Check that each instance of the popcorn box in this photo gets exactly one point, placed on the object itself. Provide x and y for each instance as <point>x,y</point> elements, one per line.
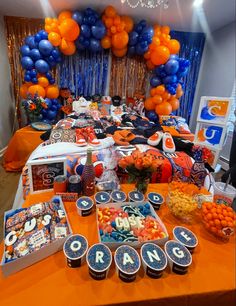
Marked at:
<point>29,259</point>
<point>113,245</point>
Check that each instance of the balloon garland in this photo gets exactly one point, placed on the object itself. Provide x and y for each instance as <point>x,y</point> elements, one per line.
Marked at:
<point>88,30</point>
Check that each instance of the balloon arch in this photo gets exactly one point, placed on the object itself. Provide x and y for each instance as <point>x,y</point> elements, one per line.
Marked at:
<point>80,30</point>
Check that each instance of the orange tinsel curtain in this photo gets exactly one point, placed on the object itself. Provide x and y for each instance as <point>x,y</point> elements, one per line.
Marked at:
<point>17,28</point>
<point>129,76</point>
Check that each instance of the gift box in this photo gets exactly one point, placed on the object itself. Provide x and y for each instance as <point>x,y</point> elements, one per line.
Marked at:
<point>35,237</point>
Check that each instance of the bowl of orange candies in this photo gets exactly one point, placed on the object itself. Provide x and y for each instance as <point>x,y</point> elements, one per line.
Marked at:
<point>182,200</point>
<point>219,219</point>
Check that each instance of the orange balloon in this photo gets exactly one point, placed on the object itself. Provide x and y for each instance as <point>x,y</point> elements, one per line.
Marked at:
<point>153,92</point>
<point>163,109</point>
<point>156,41</point>
<point>121,27</point>
<point>113,30</point>
<point>147,54</point>
<point>149,104</point>
<point>23,91</point>
<point>109,33</point>
<point>165,30</point>
<point>120,40</point>
<point>166,95</point>
<point>179,94</point>
<point>160,90</point>
<point>152,47</point>
<point>69,29</point>
<point>157,99</point>
<point>55,28</point>
<point>129,24</point>
<point>106,42</point>
<point>69,48</point>
<point>174,103</point>
<point>52,92</point>
<point>150,65</point>
<point>54,38</point>
<point>37,89</point>
<point>109,22</point>
<point>43,81</point>
<point>47,28</point>
<point>119,52</point>
<point>48,20</point>
<point>160,55</point>
<point>173,46</point>
<point>117,20</point>
<point>64,15</point>
<point>156,28</point>
<point>28,84</point>
<point>110,11</point>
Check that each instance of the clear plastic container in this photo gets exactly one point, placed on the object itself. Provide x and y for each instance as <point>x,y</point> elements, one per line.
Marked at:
<point>222,196</point>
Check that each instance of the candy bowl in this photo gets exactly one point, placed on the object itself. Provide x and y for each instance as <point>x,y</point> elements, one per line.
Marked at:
<point>219,220</point>
<point>182,200</point>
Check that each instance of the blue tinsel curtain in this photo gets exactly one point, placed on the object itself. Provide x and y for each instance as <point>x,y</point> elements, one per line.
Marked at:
<point>192,45</point>
<point>84,73</point>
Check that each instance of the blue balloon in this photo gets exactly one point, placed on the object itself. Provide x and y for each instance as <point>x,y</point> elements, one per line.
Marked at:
<point>59,59</point>
<point>174,56</point>
<point>152,116</point>
<point>79,45</point>
<point>181,74</point>
<point>147,32</point>
<point>29,40</point>
<point>89,11</point>
<point>49,76</point>
<point>95,45</point>
<point>98,31</point>
<point>170,79</point>
<point>56,53</point>
<point>131,50</point>
<point>45,47</point>
<point>33,73</point>
<point>34,80</point>
<point>48,102</point>
<point>44,112</point>
<point>37,37</point>
<point>43,34</point>
<point>27,78</point>
<point>25,50</point>
<point>158,70</point>
<point>27,62</point>
<point>86,43</point>
<point>52,81</point>
<point>51,61</point>
<point>143,23</point>
<point>91,20</point>
<point>133,38</point>
<point>35,54</point>
<point>155,81</point>
<point>53,108</point>
<point>51,114</point>
<point>85,30</point>
<point>138,28</point>
<point>78,17</point>
<point>172,66</point>
<point>141,48</point>
<point>41,66</point>
<point>54,101</point>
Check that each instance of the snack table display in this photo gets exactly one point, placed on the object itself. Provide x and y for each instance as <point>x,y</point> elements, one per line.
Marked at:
<point>210,278</point>
<point>22,144</point>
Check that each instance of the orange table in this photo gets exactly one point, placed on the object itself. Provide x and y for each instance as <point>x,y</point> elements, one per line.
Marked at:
<point>22,144</point>
<point>210,280</point>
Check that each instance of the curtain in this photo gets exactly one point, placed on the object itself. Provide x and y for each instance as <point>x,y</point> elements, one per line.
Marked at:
<point>17,28</point>
<point>129,75</point>
<point>192,45</point>
<point>84,73</point>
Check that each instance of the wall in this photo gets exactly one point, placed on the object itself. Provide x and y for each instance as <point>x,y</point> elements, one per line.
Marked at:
<point>217,73</point>
<point>6,101</point>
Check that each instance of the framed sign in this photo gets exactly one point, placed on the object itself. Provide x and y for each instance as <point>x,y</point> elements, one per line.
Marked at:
<point>210,135</point>
<point>42,173</point>
<point>214,110</point>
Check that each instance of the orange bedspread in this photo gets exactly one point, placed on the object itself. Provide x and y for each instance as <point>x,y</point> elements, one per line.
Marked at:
<point>210,280</point>
<point>22,144</point>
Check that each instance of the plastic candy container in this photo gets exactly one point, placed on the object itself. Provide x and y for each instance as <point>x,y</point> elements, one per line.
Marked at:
<point>178,256</point>
<point>127,262</point>
<point>102,197</point>
<point>219,219</point>
<point>181,200</point>
<point>136,196</point>
<point>75,248</point>
<point>154,260</point>
<point>186,237</point>
<point>84,206</point>
<point>155,199</point>
<point>118,196</point>
<point>99,259</point>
